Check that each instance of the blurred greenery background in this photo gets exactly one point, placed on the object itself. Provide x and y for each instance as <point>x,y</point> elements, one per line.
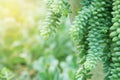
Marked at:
<point>24,55</point>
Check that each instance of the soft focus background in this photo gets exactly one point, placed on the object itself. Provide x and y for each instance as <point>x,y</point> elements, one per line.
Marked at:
<point>24,55</point>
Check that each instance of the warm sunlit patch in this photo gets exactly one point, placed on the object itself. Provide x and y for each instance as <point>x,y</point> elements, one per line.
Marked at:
<point>19,19</point>
<point>15,16</point>
<point>18,9</point>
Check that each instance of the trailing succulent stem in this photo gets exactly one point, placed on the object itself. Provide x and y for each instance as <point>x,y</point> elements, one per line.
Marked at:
<point>115,44</point>
<point>79,33</point>
<point>56,9</point>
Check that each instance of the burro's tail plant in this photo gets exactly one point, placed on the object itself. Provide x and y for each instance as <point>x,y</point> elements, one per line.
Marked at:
<point>95,32</point>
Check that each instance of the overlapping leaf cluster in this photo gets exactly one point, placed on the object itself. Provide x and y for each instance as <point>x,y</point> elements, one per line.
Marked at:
<point>90,34</point>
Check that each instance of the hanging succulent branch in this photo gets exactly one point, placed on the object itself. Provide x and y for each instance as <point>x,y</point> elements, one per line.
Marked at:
<point>115,44</point>
<point>56,10</point>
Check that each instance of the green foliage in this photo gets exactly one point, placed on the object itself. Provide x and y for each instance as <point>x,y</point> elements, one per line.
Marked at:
<point>91,36</point>
<point>97,36</point>
<point>95,32</point>
<point>91,45</point>
<point>85,2</point>
<point>52,69</point>
<point>90,32</point>
<point>78,31</point>
<point>114,34</point>
<point>56,10</point>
